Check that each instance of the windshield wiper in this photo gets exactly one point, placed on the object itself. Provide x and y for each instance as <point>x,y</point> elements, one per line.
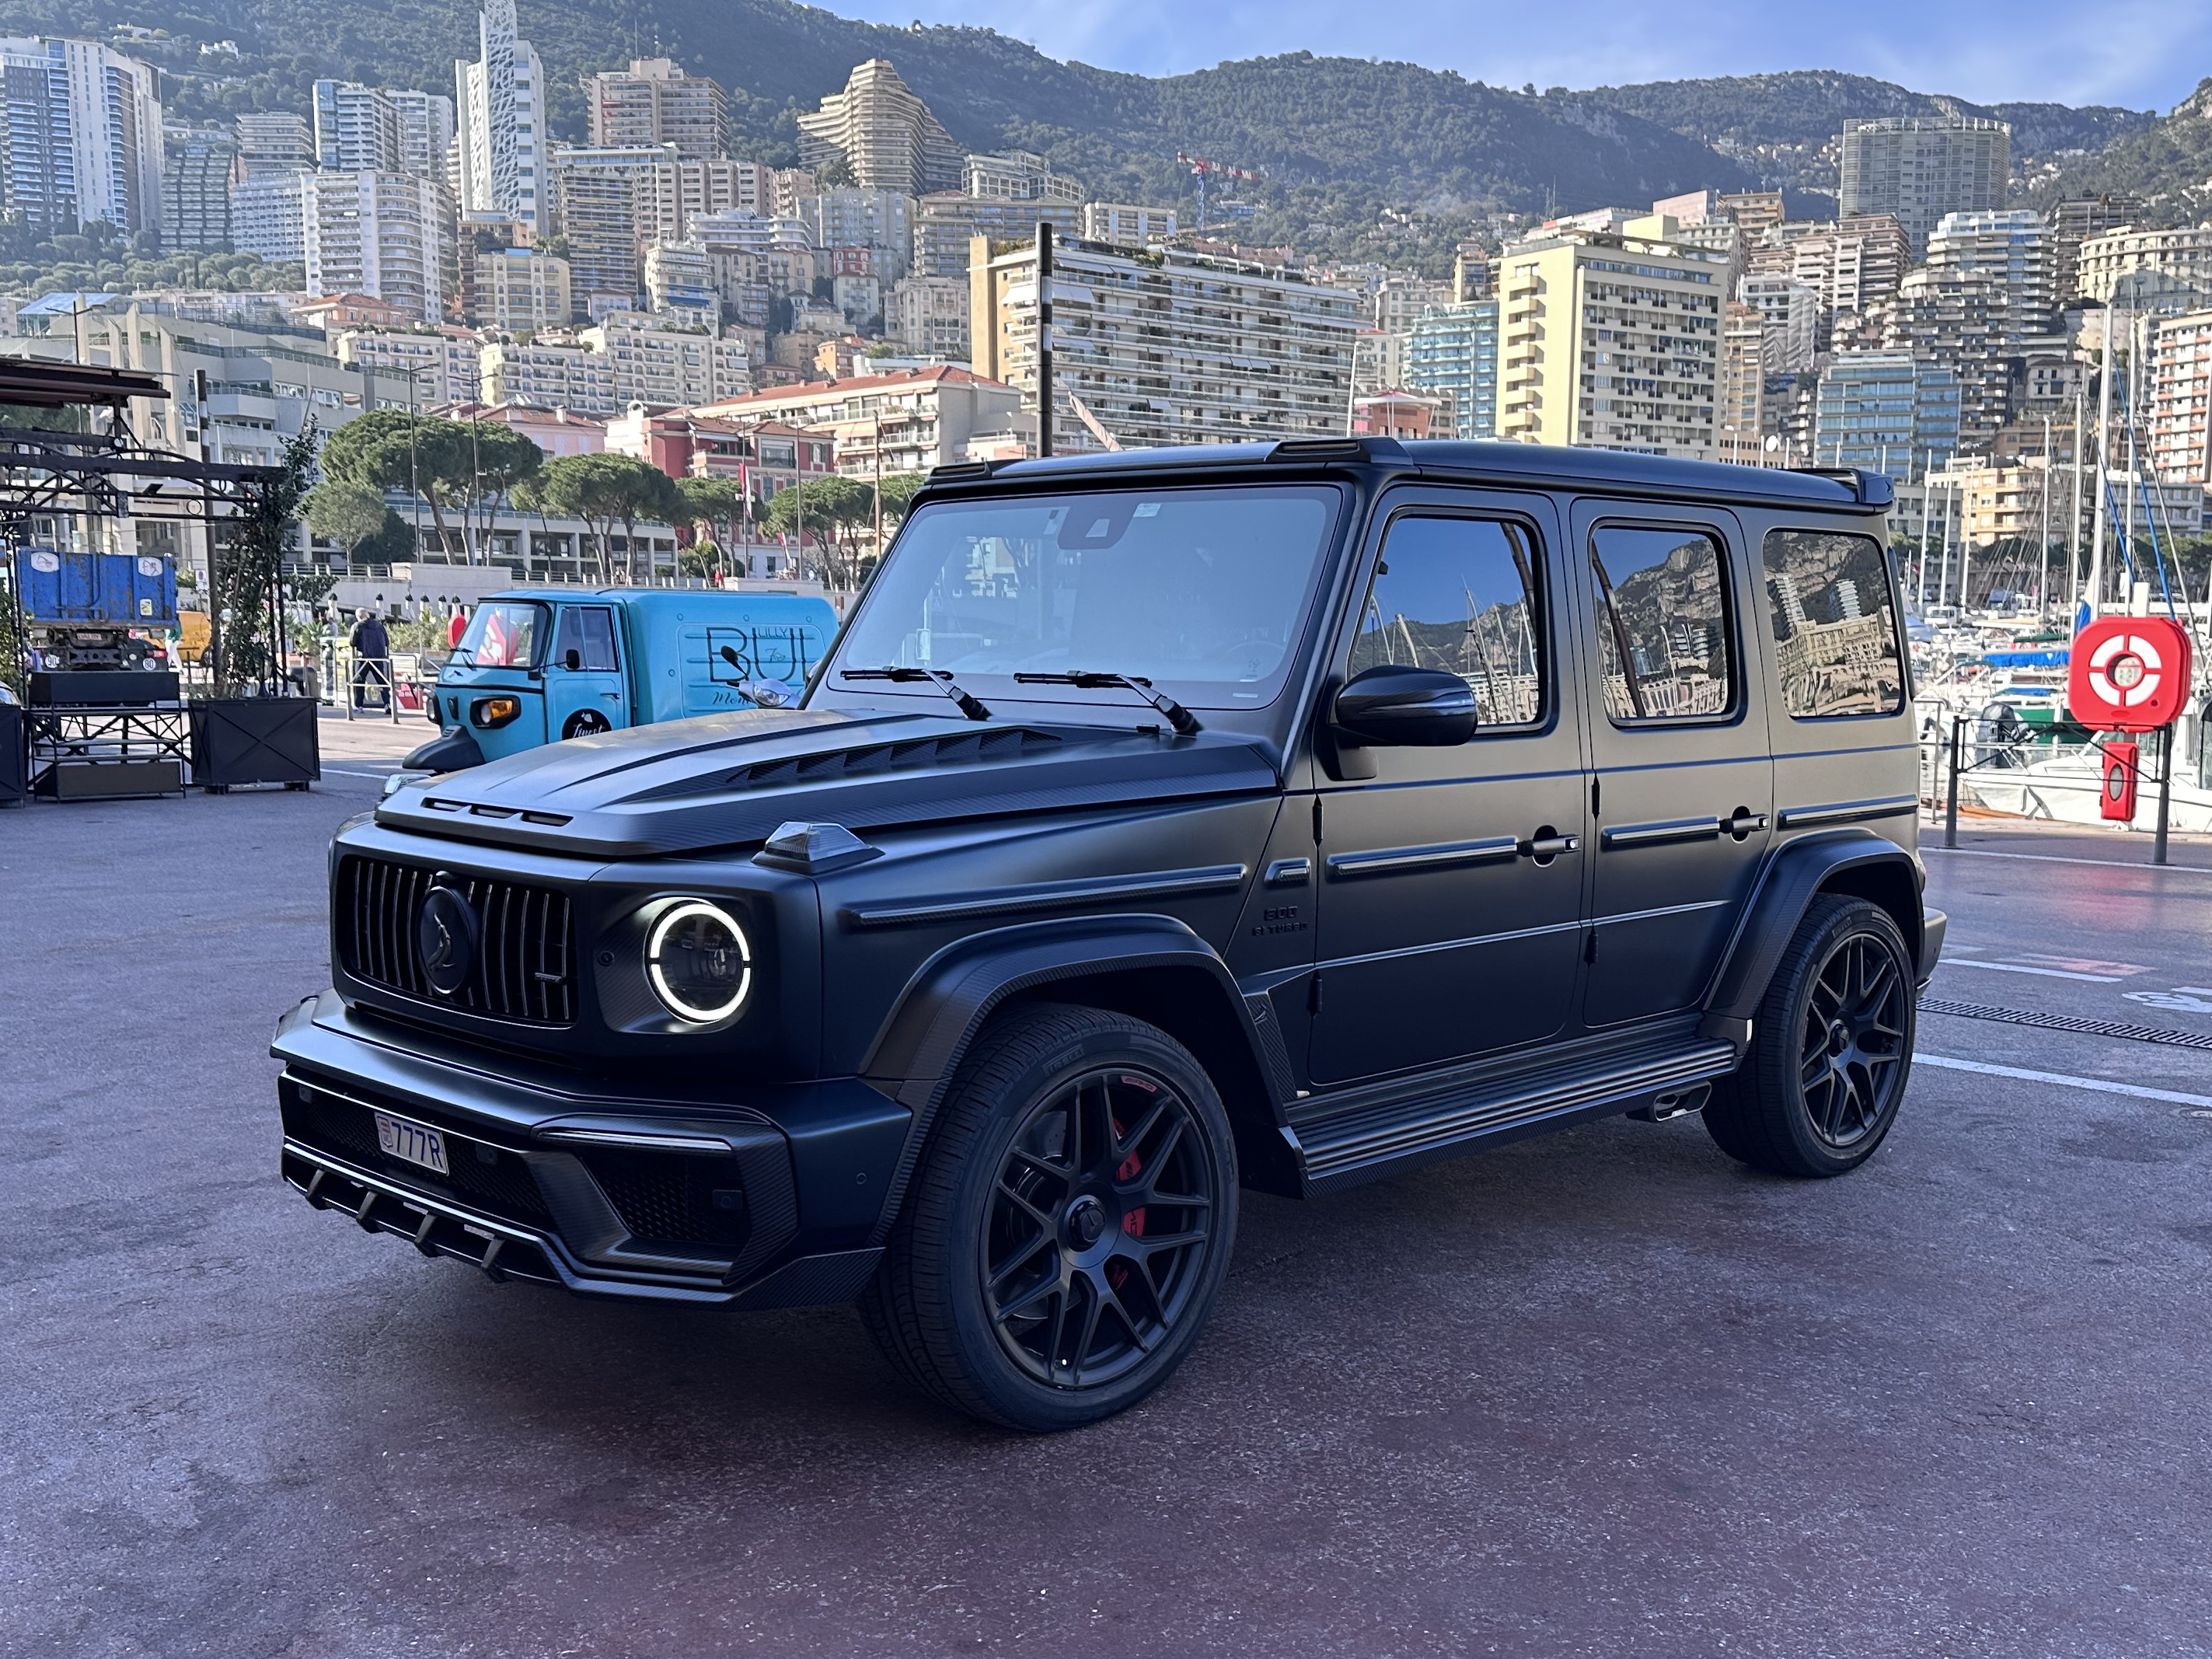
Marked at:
<point>1181,718</point>
<point>936,678</point>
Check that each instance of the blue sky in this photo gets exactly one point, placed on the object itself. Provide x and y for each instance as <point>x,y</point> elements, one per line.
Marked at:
<point>2140,53</point>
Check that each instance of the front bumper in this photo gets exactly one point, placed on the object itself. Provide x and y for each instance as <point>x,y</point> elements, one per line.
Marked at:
<point>770,1203</point>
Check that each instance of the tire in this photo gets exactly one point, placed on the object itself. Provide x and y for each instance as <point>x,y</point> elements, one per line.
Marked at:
<point>584,723</point>
<point>1058,1117</point>
<point>1830,1050</point>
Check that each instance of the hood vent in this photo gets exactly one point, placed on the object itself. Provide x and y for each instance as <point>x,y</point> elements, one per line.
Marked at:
<point>1002,744</point>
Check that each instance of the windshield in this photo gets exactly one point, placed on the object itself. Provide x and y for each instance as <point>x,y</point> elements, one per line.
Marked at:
<point>503,634</point>
<point>1201,592</point>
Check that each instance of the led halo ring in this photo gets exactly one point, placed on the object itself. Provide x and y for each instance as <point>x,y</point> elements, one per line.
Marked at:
<point>670,998</point>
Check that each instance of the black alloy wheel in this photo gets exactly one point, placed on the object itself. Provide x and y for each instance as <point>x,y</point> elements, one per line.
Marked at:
<point>1067,1227</point>
<point>1098,1227</point>
<point>1830,1049</point>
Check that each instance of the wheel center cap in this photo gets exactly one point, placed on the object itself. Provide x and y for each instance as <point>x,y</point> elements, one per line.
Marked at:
<point>1086,1221</point>
<point>1838,1037</point>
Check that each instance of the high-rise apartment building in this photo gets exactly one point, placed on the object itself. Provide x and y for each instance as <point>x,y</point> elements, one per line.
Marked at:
<point>273,140</point>
<point>379,234</point>
<point>444,366</point>
<point>1853,265</point>
<point>519,289</point>
<point>84,136</point>
<point>884,132</point>
<point>1888,411</point>
<point>947,225</point>
<point>1789,315</point>
<point>1612,342</point>
<point>609,202</point>
<point>2073,222</point>
<point>1126,226</point>
<point>1921,168</point>
<point>503,145</point>
<point>1451,361</point>
<point>195,167</point>
<point>2180,422</point>
<point>928,315</point>
<point>356,128</point>
<point>654,102</point>
<point>1018,176</point>
<point>1399,299</point>
<point>426,133</point>
<point>1966,322</point>
<point>881,221</point>
<point>1741,400</point>
<point>2013,246</point>
<point>1170,348</point>
<point>1753,211</point>
<point>2147,267</point>
<point>266,211</point>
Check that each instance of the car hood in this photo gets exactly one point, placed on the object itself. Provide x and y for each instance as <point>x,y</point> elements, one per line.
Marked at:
<point>729,780</point>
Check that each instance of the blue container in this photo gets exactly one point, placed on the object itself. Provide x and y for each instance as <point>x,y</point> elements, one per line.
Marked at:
<point>112,588</point>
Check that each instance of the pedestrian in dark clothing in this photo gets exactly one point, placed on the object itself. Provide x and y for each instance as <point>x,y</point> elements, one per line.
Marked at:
<point>372,660</point>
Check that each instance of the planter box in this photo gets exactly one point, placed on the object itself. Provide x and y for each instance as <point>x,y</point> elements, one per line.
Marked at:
<point>255,740</point>
<point>15,764</point>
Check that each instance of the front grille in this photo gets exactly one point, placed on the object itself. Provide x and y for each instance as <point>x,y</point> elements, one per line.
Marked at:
<point>484,1177</point>
<point>525,965</point>
<point>673,1198</point>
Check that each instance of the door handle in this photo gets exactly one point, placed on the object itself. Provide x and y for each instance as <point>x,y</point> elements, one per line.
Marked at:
<point>1743,821</point>
<point>1545,848</point>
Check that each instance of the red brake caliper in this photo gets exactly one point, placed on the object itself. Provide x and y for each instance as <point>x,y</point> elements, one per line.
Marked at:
<point>1133,1224</point>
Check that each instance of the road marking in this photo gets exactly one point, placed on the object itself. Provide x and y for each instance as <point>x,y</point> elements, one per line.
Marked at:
<point>2020,967</point>
<point>2097,1084</point>
<point>2185,999</point>
<point>2052,858</point>
<point>340,771</point>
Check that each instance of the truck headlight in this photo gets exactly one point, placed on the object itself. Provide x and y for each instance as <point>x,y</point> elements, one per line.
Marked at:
<point>699,962</point>
<point>491,712</point>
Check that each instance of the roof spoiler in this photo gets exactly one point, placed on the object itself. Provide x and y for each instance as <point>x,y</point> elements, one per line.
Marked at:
<point>1868,489</point>
<point>1339,449</point>
<point>961,472</point>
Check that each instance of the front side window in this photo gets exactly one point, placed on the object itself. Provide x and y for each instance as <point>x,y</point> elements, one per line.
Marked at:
<point>503,634</point>
<point>1662,623</point>
<point>589,631</point>
<point>1835,628</point>
<point>1459,594</point>
<point>1202,592</point>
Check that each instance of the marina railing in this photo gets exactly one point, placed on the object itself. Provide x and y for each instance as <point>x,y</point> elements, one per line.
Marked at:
<point>1944,760</point>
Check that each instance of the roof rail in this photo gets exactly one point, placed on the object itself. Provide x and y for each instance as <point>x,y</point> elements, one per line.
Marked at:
<point>1868,489</point>
<point>1339,449</point>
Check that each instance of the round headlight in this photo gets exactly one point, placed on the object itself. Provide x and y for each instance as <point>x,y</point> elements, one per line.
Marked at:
<point>699,961</point>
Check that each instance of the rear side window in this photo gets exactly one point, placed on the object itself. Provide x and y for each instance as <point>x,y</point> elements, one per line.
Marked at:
<point>1835,629</point>
<point>1662,623</point>
<point>589,631</point>
<point>1460,594</point>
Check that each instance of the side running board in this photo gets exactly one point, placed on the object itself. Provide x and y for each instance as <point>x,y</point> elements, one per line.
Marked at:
<point>1364,1143</point>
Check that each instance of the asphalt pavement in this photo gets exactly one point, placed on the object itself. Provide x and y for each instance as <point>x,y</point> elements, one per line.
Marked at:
<point>1601,1394</point>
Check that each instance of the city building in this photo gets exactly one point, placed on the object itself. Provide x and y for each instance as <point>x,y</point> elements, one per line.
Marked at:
<point>266,211</point>
<point>654,102</point>
<point>679,277</point>
<point>881,221</point>
<point>443,365</point>
<point>1852,265</point>
<point>947,224</point>
<point>1742,391</point>
<point>1471,273</point>
<point>906,422</point>
<point>1451,359</point>
<point>1126,226</point>
<point>426,134</point>
<point>195,167</point>
<point>1790,314</point>
<point>1888,411</point>
<point>520,290</point>
<point>382,234</point>
<point>1755,211</point>
<point>1920,167</point>
<point>2157,267</point>
<point>502,142</point>
<point>1167,347</point>
<point>1018,176</point>
<point>334,312</point>
<point>670,363</point>
<point>1401,297</point>
<point>1612,342</point>
<point>273,140</point>
<point>356,128</point>
<point>554,371</point>
<point>884,134</point>
<point>2014,247</point>
<point>928,315</point>
<point>559,432</point>
<point>2073,222</point>
<point>84,136</point>
<point>2179,437</point>
<point>608,201</point>
<point>1967,323</point>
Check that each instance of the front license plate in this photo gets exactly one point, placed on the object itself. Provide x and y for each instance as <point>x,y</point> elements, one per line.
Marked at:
<point>412,1141</point>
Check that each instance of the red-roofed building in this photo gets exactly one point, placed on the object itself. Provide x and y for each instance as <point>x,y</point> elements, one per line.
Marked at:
<point>762,456</point>
<point>913,419</point>
<point>556,431</point>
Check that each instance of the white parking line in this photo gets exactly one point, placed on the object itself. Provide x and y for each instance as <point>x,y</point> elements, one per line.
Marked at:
<point>2053,857</point>
<point>340,771</point>
<point>2019,967</point>
<point>2099,1084</point>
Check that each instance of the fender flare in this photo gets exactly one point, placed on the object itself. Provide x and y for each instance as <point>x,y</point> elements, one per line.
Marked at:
<point>937,1014</point>
<point>1792,879</point>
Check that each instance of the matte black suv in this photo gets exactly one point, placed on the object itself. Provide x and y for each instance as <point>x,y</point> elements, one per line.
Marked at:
<point>1284,815</point>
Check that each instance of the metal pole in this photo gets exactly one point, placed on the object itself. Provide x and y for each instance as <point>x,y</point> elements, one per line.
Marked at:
<point>1044,337</point>
<point>1951,799</point>
<point>2165,792</point>
<point>2074,525</point>
<point>2043,567</point>
<point>2104,425</point>
<point>1926,517</point>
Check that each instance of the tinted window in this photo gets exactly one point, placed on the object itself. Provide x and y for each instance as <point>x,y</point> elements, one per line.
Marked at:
<point>1662,623</point>
<point>589,631</point>
<point>1459,594</point>
<point>1202,592</point>
<point>1835,632</point>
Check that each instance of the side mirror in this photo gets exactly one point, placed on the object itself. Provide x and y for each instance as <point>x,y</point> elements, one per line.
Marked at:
<point>1393,706</point>
<point>574,661</point>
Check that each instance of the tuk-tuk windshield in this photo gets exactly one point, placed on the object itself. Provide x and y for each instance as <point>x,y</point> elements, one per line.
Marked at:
<point>504,634</point>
